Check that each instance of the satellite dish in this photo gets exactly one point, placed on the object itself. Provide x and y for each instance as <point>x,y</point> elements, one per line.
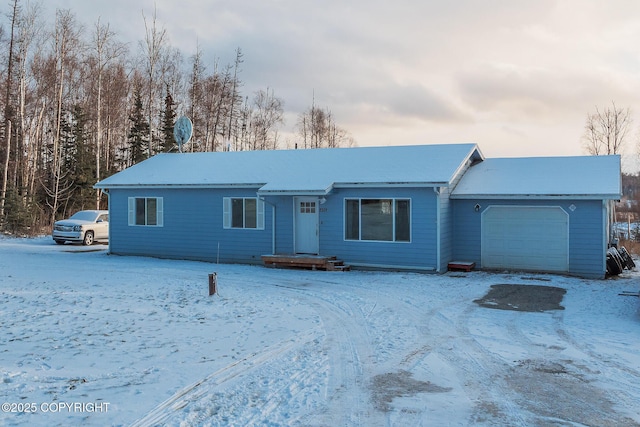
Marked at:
<point>182,131</point>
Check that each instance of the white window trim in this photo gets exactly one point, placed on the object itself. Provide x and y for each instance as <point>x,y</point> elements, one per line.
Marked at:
<point>360,239</point>
<point>159,212</point>
<point>227,213</point>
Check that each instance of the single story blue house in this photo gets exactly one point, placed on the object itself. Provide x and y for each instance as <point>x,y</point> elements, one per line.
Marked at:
<point>397,207</point>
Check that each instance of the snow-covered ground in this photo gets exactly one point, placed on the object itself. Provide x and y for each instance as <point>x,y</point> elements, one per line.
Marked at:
<point>94,339</point>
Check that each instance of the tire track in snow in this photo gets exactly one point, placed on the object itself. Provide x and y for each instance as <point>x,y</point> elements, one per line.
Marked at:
<point>207,385</point>
<point>369,309</point>
<point>293,387</point>
<point>597,357</point>
<point>629,379</point>
<point>538,389</point>
<point>494,400</point>
<point>349,352</point>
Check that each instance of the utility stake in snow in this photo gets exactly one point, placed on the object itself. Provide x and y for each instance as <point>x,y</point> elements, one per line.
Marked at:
<point>213,283</point>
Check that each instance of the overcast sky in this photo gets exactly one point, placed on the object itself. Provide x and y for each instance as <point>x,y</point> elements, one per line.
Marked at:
<point>516,76</point>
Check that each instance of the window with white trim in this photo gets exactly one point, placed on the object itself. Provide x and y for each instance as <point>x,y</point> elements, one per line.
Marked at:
<point>386,220</point>
<point>243,212</point>
<point>146,211</point>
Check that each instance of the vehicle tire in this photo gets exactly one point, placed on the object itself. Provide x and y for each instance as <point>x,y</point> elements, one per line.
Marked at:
<point>628,261</point>
<point>60,242</point>
<point>88,238</point>
<point>620,259</point>
<point>614,267</point>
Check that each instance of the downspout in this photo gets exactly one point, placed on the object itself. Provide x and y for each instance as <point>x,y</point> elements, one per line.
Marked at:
<point>273,224</point>
<point>438,236</point>
<point>606,236</point>
<point>106,192</point>
<point>273,228</point>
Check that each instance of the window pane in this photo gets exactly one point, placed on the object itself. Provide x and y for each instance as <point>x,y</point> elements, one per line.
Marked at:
<point>403,225</point>
<point>237,213</point>
<point>152,212</point>
<point>377,219</point>
<point>140,211</point>
<point>250,213</point>
<point>352,220</point>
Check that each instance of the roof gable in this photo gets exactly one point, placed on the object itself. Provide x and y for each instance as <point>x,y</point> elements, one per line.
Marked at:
<point>594,177</point>
<point>300,171</point>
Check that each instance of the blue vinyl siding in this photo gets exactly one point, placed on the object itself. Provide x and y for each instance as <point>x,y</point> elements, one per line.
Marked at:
<point>586,232</point>
<point>446,229</point>
<point>420,253</point>
<point>466,232</point>
<point>284,223</point>
<point>192,228</point>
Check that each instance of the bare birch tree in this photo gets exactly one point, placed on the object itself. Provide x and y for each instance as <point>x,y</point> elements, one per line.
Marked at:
<point>318,129</point>
<point>105,49</point>
<point>234,94</point>
<point>8,110</point>
<point>29,121</point>
<point>196,97</point>
<point>267,115</point>
<point>66,39</point>
<point>154,45</point>
<point>606,130</point>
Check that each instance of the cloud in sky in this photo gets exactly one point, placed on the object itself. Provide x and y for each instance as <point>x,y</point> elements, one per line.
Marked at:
<point>518,77</point>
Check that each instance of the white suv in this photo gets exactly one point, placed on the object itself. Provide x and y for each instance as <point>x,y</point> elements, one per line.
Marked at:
<point>84,226</point>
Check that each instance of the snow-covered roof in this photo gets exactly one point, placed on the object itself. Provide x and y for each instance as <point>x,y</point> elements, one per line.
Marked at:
<point>587,177</point>
<point>300,171</point>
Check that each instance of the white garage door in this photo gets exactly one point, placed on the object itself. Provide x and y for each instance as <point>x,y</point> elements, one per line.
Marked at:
<point>525,238</point>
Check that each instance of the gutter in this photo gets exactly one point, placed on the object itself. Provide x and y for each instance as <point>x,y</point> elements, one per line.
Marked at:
<point>274,192</point>
<point>216,186</point>
<point>536,196</point>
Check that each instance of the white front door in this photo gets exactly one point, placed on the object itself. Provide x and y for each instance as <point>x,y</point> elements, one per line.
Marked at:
<point>306,225</point>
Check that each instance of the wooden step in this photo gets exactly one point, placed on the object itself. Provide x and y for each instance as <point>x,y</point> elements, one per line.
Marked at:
<point>336,265</point>
<point>461,265</point>
<point>314,262</point>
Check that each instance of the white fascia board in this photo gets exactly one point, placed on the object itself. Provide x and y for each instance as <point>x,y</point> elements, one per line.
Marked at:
<point>293,192</point>
<point>536,196</point>
<point>165,186</point>
<point>464,165</point>
<point>389,184</point>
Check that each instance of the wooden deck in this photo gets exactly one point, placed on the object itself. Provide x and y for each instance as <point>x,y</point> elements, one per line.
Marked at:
<point>313,262</point>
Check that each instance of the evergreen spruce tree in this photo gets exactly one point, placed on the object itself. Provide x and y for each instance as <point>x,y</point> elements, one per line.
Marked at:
<point>84,169</point>
<point>78,162</point>
<point>139,131</point>
<point>18,217</point>
<point>168,118</point>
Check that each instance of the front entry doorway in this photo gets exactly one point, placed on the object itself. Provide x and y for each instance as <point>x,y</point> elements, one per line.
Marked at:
<point>306,225</point>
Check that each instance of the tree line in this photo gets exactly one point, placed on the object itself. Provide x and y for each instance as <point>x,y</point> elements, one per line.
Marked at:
<point>78,105</point>
<point>606,132</point>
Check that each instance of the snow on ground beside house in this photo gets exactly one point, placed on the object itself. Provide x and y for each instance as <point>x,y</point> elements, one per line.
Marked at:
<point>82,328</point>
